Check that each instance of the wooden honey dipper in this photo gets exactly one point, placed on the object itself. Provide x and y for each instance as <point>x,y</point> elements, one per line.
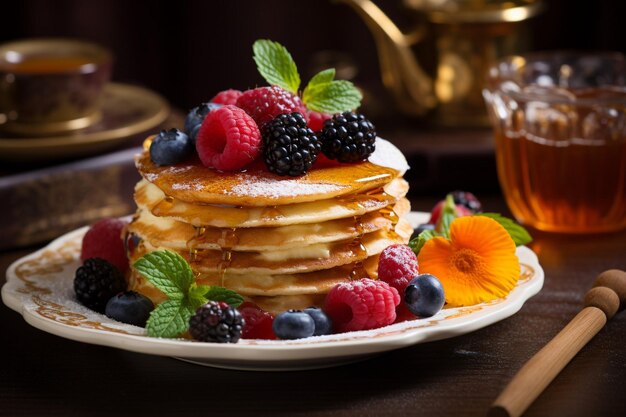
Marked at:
<point>601,303</point>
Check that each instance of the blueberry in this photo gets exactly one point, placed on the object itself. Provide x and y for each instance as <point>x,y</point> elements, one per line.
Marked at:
<point>195,118</point>
<point>129,307</point>
<point>170,147</point>
<point>323,324</point>
<point>293,324</point>
<point>424,295</point>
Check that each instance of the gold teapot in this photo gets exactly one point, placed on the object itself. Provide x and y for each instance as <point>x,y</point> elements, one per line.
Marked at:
<point>439,67</point>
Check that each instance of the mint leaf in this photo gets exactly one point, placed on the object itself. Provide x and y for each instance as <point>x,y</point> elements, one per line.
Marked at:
<point>519,235</point>
<point>276,65</point>
<point>319,81</point>
<point>447,216</point>
<point>322,77</point>
<point>332,97</point>
<point>169,319</point>
<point>417,243</point>
<point>196,295</point>
<point>168,271</point>
<point>230,297</point>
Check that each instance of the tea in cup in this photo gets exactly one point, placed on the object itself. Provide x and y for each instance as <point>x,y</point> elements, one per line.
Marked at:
<point>560,130</point>
<point>51,85</point>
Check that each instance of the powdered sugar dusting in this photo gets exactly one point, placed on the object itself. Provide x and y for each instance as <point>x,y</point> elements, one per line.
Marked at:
<point>193,185</point>
<point>265,187</point>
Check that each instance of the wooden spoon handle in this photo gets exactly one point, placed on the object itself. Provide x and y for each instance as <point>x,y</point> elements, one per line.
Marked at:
<point>602,302</point>
<point>542,368</point>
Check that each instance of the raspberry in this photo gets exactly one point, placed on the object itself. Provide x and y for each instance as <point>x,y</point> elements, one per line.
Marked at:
<point>226,97</point>
<point>96,281</point>
<point>104,240</point>
<point>258,322</point>
<point>403,313</point>
<point>348,137</point>
<point>397,265</point>
<point>316,120</point>
<point>361,305</point>
<point>228,139</point>
<point>217,322</point>
<point>289,146</point>
<point>436,211</point>
<point>265,103</point>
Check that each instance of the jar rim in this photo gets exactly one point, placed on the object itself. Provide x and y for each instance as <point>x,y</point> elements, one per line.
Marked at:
<point>508,76</point>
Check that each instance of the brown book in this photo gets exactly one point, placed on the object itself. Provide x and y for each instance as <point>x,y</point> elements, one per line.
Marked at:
<point>40,205</point>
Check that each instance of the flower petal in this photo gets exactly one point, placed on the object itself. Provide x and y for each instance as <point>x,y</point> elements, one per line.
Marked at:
<point>477,264</point>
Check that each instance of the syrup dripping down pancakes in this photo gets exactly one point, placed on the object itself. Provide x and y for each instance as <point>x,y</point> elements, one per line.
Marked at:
<point>281,242</point>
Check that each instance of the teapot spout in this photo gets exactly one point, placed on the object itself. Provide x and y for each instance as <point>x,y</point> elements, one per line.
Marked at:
<point>402,75</point>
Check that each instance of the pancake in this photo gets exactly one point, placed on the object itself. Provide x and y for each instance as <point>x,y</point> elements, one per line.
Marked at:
<point>307,283</point>
<point>177,235</point>
<point>294,259</point>
<point>150,197</point>
<point>193,183</point>
<point>281,242</point>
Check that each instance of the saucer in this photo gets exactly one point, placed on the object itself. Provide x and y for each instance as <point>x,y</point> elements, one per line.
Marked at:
<point>126,110</point>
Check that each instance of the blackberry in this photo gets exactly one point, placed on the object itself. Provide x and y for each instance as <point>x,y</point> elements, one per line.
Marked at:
<point>289,146</point>
<point>467,199</point>
<point>96,281</point>
<point>348,137</point>
<point>216,322</point>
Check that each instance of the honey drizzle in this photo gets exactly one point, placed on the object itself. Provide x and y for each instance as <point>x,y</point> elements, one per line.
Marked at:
<point>198,238</point>
<point>271,213</point>
<point>227,241</point>
<point>163,206</point>
<point>359,251</point>
<point>389,213</point>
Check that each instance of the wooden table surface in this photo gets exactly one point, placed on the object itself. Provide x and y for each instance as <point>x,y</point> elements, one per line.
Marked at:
<point>45,375</point>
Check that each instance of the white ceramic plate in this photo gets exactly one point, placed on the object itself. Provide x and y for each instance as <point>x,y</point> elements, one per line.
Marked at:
<point>39,286</point>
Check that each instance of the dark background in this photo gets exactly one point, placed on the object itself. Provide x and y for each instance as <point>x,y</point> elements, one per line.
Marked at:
<point>189,50</point>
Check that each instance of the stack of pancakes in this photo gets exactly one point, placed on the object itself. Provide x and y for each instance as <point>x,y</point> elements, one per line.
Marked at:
<point>281,242</point>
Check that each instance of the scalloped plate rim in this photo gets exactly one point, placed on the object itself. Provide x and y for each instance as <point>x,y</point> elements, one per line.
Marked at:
<point>268,355</point>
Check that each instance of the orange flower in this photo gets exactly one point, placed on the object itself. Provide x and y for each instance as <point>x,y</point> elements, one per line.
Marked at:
<point>477,264</point>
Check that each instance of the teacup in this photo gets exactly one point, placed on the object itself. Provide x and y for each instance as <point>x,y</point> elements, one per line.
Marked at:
<point>49,86</point>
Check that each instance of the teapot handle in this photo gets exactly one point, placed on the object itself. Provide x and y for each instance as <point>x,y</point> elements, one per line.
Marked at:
<point>400,71</point>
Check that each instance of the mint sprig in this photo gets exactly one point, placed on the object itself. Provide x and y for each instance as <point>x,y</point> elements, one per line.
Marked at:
<point>230,297</point>
<point>170,318</point>
<point>333,97</point>
<point>322,94</point>
<point>170,273</point>
<point>276,65</point>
